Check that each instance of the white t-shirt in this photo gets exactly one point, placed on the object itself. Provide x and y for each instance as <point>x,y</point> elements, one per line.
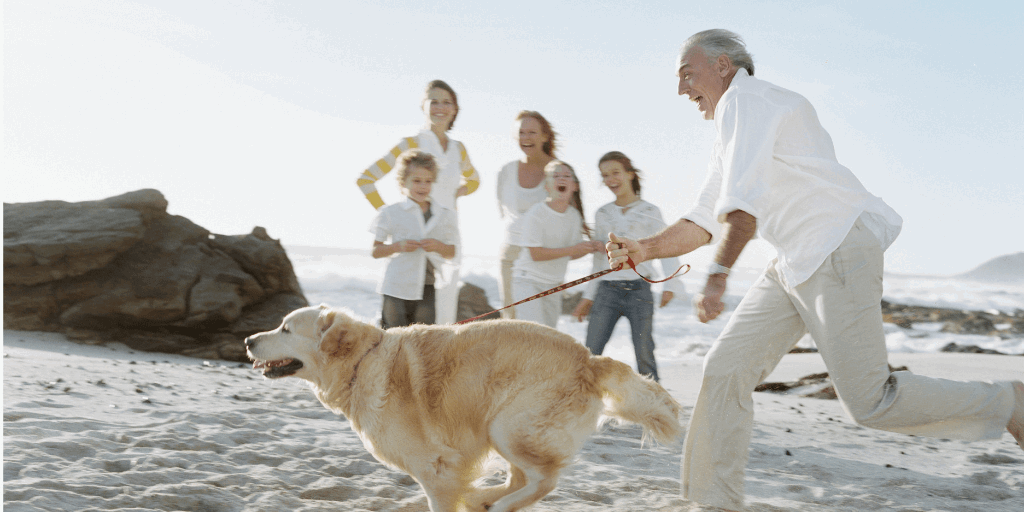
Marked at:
<point>406,271</point>
<point>543,227</point>
<point>641,220</point>
<point>775,161</point>
<point>451,166</point>
<point>513,199</point>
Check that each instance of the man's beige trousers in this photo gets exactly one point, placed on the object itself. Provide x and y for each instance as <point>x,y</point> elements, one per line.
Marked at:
<point>840,306</point>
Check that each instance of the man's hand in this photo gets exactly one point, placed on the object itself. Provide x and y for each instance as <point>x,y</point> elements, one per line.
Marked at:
<point>621,248</point>
<point>709,303</point>
<point>582,309</point>
<point>666,297</point>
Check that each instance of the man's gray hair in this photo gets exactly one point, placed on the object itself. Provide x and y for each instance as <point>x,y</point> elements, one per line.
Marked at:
<point>717,42</point>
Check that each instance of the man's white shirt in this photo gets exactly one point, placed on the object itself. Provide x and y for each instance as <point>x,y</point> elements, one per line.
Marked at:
<point>774,161</point>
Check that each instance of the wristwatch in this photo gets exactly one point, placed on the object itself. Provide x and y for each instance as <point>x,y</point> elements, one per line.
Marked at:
<point>715,268</point>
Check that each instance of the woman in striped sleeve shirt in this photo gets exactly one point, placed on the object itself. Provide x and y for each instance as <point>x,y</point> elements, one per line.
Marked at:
<point>456,176</point>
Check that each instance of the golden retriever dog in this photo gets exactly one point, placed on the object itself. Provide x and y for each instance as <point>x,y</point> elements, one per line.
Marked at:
<point>437,401</point>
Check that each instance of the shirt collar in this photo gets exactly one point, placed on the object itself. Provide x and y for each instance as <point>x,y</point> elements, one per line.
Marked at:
<point>429,138</point>
<point>630,206</point>
<point>409,204</point>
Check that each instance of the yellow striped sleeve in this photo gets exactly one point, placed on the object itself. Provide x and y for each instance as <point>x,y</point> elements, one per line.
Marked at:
<point>470,178</point>
<point>367,181</point>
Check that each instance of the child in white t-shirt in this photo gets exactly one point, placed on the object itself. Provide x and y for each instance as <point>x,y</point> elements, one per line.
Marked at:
<point>551,232</point>
<point>624,293</point>
<point>421,238</point>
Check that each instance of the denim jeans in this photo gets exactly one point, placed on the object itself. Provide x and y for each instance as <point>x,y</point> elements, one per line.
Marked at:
<point>633,300</point>
<point>397,312</point>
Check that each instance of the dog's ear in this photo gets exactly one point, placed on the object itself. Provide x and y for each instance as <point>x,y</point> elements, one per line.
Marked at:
<point>332,329</point>
<point>324,321</point>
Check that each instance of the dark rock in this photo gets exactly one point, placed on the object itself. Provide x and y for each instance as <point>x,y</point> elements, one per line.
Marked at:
<point>263,257</point>
<point>52,240</point>
<point>473,302</point>
<point>267,315</point>
<point>124,265</point>
<point>826,391</point>
<point>956,321</point>
<point>903,320</point>
<point>569,301</point>
<point>970,349</point>
<point>978,323</point>
<point>802,350</point>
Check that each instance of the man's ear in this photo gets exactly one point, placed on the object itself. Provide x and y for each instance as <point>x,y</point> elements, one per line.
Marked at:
<point>723,64</point>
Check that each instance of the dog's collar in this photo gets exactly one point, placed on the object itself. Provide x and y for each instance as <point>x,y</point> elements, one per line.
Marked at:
<point>356,367</point>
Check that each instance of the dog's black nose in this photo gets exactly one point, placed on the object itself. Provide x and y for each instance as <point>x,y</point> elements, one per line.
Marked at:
<point>249,342</point>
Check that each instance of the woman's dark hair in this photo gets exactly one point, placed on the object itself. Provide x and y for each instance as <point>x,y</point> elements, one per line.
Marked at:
<point>441,84</point>
<point>627,164</point>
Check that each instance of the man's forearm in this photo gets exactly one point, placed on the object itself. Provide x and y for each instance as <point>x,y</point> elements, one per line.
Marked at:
<point>676,240</point>
<point>740,228</point>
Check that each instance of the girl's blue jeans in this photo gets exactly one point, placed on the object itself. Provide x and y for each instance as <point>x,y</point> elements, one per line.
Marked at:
<point>632,299</point>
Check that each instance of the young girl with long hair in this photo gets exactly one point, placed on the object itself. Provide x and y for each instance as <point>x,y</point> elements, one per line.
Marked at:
<point>551,233</point>
<point>622,293</point>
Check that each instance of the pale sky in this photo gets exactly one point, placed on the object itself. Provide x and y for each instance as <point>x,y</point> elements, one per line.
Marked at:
<point>264,113</point>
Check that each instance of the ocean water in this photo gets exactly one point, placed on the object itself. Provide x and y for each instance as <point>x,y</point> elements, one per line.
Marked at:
<point>348,278</point>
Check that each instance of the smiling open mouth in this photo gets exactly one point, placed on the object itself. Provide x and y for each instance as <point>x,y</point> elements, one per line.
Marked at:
<point>562,188</point>
<point>279,368</point>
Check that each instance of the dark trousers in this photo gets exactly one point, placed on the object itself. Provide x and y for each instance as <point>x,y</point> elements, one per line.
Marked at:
<point>400,312</point>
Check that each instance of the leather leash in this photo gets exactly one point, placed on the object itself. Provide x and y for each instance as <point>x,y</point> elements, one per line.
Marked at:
<point>582,280</point>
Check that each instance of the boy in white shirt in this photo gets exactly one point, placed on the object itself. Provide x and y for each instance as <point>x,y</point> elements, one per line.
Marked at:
<point>422,239</point>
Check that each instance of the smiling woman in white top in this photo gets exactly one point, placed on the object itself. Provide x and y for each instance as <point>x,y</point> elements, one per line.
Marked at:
<point>622,293</point>
<point>520,186</point>
<point>456,176</point>
<point>418,236</point>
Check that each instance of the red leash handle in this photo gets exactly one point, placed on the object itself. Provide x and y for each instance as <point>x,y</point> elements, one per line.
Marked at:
<point>579,281</point>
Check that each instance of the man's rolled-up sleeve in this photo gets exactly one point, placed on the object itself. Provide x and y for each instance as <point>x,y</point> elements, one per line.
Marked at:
<point>702,213</point>
<point>747,131</point>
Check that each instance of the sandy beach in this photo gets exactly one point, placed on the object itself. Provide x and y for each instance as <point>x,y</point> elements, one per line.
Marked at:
<point>103,427</point>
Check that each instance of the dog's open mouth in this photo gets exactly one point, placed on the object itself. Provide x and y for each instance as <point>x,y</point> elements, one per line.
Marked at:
<point>279,368</point>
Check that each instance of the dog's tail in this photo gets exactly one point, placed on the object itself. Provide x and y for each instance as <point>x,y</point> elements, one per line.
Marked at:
<point>630,397</point>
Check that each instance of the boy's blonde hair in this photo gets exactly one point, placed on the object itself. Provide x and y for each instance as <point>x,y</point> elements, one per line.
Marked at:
<point>414,158</point>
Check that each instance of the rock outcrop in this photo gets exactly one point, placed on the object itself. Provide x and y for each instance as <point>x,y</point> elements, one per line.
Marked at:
<point>817,385</point>
<point>124,269</point>
<point>992,323</point>
<point>473,302</point>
